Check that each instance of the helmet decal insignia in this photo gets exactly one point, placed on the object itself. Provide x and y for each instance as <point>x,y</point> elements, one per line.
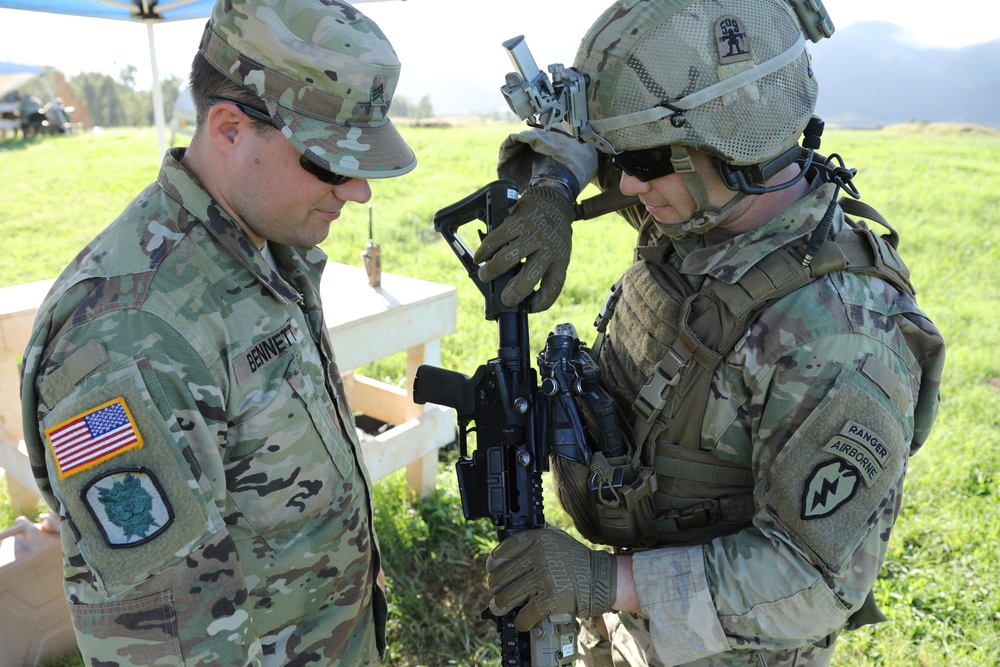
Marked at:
<point>731,40</point>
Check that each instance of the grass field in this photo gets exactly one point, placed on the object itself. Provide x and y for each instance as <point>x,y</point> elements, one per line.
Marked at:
<point>940,187</point>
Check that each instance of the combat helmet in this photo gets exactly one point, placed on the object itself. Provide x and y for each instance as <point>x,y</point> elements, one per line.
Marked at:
<point>731,78</point>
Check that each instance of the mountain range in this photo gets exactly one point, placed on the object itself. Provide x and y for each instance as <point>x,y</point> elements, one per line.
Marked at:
<point>870,76</point>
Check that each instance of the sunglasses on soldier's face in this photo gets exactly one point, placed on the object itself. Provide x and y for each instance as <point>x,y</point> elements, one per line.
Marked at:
<point>646,164</point>
<point>329,177</point>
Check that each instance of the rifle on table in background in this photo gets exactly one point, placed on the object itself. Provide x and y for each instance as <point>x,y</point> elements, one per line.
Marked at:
<point>517,423</point>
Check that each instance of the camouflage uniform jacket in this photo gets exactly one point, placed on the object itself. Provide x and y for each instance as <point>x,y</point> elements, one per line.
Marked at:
<point>194,437</point>
<point>823,400</point>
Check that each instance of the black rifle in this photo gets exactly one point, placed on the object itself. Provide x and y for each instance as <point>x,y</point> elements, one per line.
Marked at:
<point>517,425</point>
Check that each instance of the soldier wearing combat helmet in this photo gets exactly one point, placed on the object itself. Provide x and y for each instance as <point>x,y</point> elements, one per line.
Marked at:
<point>193,431</point>
<point>771,368</point>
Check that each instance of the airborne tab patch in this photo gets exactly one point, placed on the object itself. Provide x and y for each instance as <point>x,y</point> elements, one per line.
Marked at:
<point>128,505</point>
<point>868,438</point>
<point>93,436</point>
<point>862,448</point>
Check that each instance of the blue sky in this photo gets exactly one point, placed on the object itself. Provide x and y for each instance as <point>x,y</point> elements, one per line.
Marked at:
<point>450,49</point>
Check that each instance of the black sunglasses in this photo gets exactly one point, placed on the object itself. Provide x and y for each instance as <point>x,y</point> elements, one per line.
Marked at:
<point>328,177</point>
<point>645,164</point>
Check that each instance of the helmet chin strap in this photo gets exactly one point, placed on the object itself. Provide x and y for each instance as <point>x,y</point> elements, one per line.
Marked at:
<point>706,217</point>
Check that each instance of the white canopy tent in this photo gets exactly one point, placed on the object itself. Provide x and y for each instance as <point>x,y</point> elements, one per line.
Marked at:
<point>149,12</point>
<point>15,75</point>
<point>12,77</point>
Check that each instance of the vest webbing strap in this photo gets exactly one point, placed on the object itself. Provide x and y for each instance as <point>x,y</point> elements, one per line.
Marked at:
<point>732,509</point>
<point>733,306</point>
<point>778,274</point>
<point>773,276</point>
<point>707,473</point>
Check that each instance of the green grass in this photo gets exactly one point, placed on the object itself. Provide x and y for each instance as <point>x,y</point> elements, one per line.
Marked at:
<point>941,191</point>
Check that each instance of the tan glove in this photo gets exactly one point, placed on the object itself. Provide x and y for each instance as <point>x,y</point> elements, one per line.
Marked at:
<point>549,572</point>
<point>539,230</point>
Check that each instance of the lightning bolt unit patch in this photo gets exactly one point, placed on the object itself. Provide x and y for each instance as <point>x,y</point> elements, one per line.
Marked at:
<point>831,484</point>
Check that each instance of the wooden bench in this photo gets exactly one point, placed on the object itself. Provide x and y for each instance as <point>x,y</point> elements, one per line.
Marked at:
<point>365,323</point>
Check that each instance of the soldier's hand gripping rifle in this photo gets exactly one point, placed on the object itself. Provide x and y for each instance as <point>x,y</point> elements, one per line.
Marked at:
<point>516,425</point>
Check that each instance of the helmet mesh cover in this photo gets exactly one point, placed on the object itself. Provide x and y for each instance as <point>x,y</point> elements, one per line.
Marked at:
<point>680,56</point>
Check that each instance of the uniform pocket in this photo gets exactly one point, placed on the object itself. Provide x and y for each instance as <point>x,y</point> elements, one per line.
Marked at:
<point>140,631</point>
<point>284,466</point>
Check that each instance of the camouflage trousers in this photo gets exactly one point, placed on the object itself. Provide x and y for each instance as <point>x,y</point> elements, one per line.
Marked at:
<point>605,641</point>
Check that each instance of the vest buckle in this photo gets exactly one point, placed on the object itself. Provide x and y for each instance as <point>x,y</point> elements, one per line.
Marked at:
<point>653,395</point>
<point>604,316</point>
<point>698,515</point>
<point>620,490</point>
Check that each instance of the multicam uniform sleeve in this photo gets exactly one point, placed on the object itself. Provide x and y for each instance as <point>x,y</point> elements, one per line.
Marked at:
<point>825,418</point>
<point>131,428</point>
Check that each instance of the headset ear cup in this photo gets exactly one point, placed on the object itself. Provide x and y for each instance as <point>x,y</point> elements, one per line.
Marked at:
<point>730,176</point>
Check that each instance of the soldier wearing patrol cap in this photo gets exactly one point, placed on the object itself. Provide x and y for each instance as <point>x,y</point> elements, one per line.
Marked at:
<point>771,368</point>
<point>193,432</point>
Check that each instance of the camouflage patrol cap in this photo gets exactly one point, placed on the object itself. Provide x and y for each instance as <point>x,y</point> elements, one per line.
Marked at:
<point>727,77</point>
<point>326,74</point>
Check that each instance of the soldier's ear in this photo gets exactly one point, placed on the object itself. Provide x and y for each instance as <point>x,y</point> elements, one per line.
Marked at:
<point>225,125</point>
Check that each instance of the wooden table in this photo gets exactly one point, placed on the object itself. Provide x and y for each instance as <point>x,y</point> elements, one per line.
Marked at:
<point>369,323</point>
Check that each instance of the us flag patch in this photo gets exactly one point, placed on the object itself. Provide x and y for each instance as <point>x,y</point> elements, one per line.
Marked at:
<point>93,436</point>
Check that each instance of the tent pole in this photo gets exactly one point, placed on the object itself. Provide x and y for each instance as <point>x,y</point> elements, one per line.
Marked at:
<point>158,115</point>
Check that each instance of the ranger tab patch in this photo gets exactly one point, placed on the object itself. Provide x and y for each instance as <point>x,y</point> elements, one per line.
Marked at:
<point>861,447</point>
<point>93,436</point>
<point>128,505</point>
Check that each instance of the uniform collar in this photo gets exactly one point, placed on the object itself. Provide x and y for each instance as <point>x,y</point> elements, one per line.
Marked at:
<point>730,260</point>
<point>300,264</point>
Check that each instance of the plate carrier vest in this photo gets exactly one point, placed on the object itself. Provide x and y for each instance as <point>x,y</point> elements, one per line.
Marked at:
<point>667,490</point>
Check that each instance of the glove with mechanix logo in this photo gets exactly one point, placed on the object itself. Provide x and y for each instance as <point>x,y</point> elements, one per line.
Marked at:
<point>539,230</point>
<point>549,572</point>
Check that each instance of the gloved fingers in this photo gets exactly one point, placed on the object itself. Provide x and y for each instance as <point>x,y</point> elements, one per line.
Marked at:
<point>529,616</point>
<point>549,289</point>
<point>493,241</point>
<point>506,234</point>
<point>502,262</point>
<point>521,285</point>
<point>499,611</point>
<point>505,573</point>
<point>513,546</point>
<point>515,593</point>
